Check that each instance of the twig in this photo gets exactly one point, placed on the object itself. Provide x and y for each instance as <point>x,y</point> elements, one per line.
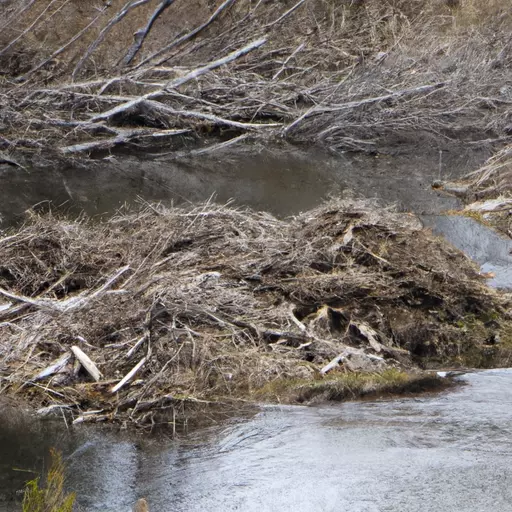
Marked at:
<point>187,37</point>
<point>180,81</point>
<point>141,34</point>
<point>286,14</point>
<point>113,21</point>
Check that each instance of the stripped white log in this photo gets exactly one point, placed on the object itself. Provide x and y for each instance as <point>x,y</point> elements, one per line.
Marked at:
<point>344,355</point>
<point>370,334</point>
<point>90,416</point>
<point>296,321</point>
<point>179,81</point>
<point>87,363</point>
<point>136,346</point>
<point>55,367</point>
<point>128,376</point>
<point>5,307</point>
<point>333,363</point>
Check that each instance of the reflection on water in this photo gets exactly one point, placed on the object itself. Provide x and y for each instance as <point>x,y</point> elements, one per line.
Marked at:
<point>445,452</point>
<point>483,245</point>
<point>284,182</point>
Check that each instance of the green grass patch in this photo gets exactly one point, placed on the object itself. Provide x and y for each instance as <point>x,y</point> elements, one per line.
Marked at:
<point>346,386</point>
<point>52,497</point>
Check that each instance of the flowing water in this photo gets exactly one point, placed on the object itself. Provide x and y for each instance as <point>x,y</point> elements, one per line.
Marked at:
<point>451,451</point>
<point>490,250</point>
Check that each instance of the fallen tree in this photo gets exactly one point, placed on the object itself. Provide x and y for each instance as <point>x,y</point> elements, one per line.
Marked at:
<point>147,316</point>
<point>347,75</point>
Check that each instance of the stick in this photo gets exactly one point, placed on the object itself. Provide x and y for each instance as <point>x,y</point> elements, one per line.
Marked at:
<point>66,305</point>
<point>208,149</point>
<point>128,376</point>
<point>333,363</point>
<point>87,363</point>
<point>54,367</point>
<point>113,21</point>
<point>286,14</point>
<point>216,64</point>
<point>141,34</point>
<point>290,57</point>
<point>123,137</point>
<point>186,37</point>
<point>367,101</point>
<point>180,81</point>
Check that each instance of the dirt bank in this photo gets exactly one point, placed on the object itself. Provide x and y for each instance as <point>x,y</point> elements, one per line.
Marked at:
<point>176,309</point>
<point>79,77</point>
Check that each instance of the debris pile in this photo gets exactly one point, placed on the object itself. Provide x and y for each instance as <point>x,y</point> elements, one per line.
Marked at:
<point>153,312</point>
<point>78,77</point>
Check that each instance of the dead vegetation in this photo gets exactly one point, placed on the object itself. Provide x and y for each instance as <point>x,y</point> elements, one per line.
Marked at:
<point>487,191</point>
<point>350,75</point>
<point>148,316</point>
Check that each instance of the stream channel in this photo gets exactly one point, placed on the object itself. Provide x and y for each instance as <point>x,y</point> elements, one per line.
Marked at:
<point>451,451</point>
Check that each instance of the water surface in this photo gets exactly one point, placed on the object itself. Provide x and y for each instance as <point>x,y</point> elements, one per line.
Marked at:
<point>492,251</point>
<point>451,451</point>
<point>283,181</point>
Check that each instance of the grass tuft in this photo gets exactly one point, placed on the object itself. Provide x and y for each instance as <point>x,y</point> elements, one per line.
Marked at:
<point>51,498</point>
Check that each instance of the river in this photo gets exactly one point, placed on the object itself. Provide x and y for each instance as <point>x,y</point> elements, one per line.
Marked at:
<point>450,451</point>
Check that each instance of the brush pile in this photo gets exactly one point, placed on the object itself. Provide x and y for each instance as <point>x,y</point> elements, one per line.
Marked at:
<point>149,314</point>
<point>78,77</point>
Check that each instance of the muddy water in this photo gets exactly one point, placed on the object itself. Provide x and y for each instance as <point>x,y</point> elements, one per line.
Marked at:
<point>284,181</point>
<point>451,451</point>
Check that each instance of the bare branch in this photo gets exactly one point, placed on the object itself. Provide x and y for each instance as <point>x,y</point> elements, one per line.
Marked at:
<point>187,37</point>
<point>141,34</point>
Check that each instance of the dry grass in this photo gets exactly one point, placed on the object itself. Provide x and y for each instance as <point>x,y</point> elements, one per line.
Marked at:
<point>220,302</point>
<point>51,497</point>
<point>348,75</point>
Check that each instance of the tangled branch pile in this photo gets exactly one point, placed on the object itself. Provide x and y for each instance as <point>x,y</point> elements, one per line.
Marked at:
<point>148,313</point>
<point>82,76</point>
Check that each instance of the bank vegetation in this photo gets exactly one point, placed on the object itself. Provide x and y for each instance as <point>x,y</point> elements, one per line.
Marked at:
<point>362,75</point>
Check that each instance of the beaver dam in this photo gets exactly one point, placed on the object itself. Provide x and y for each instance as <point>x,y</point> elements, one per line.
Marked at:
<point>151,316</point>
<point>148,317</point>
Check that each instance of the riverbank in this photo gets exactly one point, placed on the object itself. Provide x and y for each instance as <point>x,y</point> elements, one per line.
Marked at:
<point>145,318</point>
<point>486,192</point>
<point>349,76</point>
